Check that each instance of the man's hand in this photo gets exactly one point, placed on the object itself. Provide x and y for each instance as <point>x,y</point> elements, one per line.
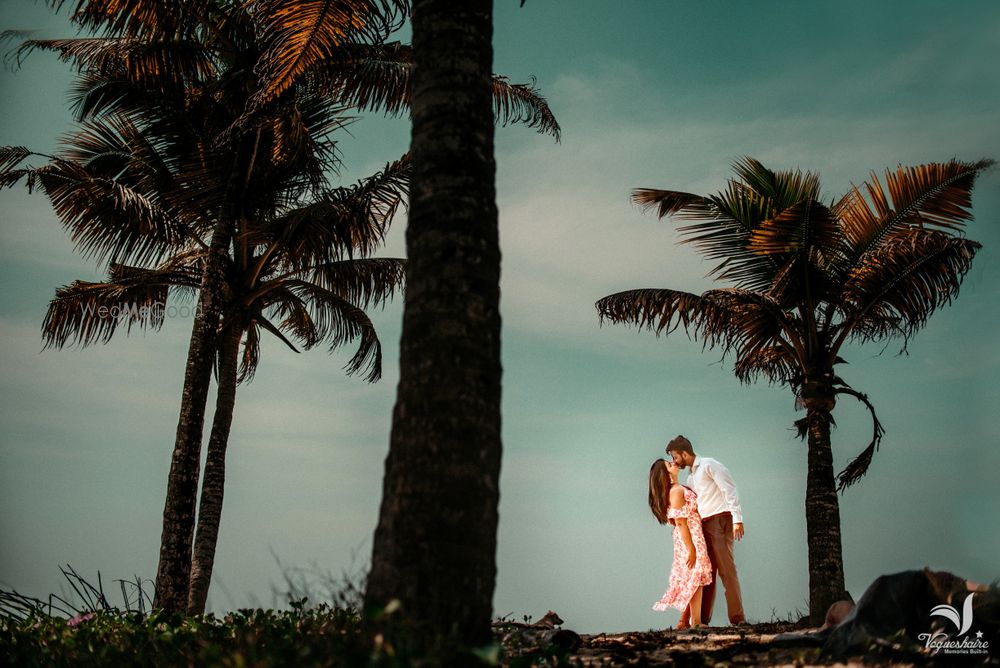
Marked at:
<point>738,531</point>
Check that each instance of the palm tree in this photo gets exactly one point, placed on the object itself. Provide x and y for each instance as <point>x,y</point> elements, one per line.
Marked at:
<point>211,156</point>
<point>219,85</point>
<point>308,275</point>
<point>434,549</point>
<point>305,273</point>
<point>310,259</point>
<point>807,278</point>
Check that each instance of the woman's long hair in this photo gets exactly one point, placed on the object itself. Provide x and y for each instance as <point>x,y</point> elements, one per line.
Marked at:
<point>659,491</point>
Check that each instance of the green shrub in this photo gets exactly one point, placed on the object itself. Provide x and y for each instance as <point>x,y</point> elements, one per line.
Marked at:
<point>320,636</point>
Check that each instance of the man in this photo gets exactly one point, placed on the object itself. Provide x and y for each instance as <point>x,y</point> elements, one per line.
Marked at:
<point>721,521</point>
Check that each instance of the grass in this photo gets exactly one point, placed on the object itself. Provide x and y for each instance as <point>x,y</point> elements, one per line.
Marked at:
<point>85,627</point>
<point>319,636</point>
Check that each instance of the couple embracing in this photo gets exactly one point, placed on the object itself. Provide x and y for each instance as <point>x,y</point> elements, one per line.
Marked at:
<point>707,519</point>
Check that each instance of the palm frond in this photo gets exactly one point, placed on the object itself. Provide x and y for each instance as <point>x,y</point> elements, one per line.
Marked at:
<point>903,282</point>
<point>292,153</point>
<point>807,240</point>
<point>368,77</point>
<point>726,224</point>
<point>137,18</point>
<point>164,65</point>
<point>250,357</point>
<point>312,314</point>
<point>524,104</point>
<point>740,211</point>
<point>766,339</point>
<point>776,363</point>
<point>259,319</point>
<point>93,94</point>
<point>102,148</point>
<point>343,222</point>
<point>365,282</point>
<point>934,195</point>
<point>298,140</point>
<point>10,58</point>
<point>300,35</point>
<point>12,156</point>
<point>86,312</point>
<point>806,227</point>
<point>377,78</point>
<point>184,269</point>
<point>781,189</point>
<point>663,311</point>
<point>10,171</point>
<point>108,189</point>
<point>745,322</point>
<point>295,131</point>
<point>674,202</point>
<point>721,231</point>
<point>107,220</point>
<point>858,467</point>
<point>283,302</point>
<point>11,177</point>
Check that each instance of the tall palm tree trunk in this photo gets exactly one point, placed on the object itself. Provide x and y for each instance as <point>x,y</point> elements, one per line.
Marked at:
<point>826,561</point>
<point>173,572</point>
<point>435,546</point>
<point>214,479</point>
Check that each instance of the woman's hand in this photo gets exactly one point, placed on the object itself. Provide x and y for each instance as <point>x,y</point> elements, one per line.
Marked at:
<point>682,526</point>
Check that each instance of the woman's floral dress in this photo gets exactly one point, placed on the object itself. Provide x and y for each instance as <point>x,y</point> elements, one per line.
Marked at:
<point>685,581</point>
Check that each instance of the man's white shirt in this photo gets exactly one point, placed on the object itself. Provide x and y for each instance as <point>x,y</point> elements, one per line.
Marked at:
<point>715,488</point>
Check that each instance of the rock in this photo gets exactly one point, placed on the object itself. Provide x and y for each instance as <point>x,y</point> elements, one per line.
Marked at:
<point>899,607</point>
<point>837,613</point>
<point>542,632</point>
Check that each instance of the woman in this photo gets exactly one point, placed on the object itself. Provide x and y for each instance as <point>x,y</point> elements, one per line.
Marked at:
<point>674,503</point>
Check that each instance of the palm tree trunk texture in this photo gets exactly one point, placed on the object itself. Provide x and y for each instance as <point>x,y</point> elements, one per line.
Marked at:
<point>435,545</point>
<point>174,570</point>
<point>826,562</point>
<point>214,478</point>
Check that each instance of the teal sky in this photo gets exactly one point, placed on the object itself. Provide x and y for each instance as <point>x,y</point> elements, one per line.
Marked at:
<point>649,94</point>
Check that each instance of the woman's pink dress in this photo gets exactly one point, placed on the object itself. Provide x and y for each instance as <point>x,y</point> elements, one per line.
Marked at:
<point>685,581</point>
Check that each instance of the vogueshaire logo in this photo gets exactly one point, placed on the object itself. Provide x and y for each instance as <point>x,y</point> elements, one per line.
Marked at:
<point>939,641</point>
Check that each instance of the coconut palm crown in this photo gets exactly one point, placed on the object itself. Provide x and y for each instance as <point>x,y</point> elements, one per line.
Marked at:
<point>806,278</point>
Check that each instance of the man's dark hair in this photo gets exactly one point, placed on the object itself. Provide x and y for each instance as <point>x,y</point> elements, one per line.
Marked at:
<point>680,444</point>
